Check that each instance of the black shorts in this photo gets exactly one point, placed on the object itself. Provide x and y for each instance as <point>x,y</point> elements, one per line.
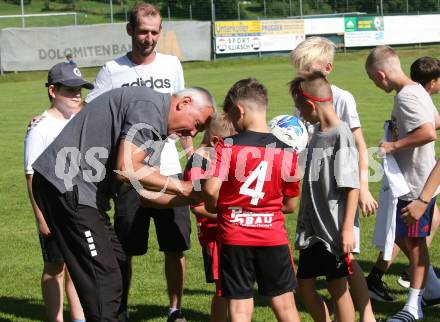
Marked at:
<point>271,266</point>
<point>316,261</point>
<point>210,261</point>
<point>50,250</point>
<point>132,223</point>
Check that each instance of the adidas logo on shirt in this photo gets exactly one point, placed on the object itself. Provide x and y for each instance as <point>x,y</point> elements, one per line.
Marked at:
<point>151,83</point>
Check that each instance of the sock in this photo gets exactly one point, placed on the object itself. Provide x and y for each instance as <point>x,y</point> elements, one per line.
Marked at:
<point>78,320</point>
<point>376,273</point>
<point>432,285</point>
<point>414,303</point>
<point>171,310</point>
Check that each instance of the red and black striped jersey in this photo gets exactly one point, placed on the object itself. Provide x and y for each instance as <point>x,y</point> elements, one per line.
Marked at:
<point>197,169</point>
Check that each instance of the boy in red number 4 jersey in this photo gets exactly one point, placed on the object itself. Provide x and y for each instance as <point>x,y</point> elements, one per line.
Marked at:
<point>254,181</point>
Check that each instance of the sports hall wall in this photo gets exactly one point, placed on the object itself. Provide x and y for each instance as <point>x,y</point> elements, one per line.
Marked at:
<point>24,49</point>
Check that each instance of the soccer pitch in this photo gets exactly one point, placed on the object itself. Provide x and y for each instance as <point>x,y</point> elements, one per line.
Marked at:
<point>24,95</point>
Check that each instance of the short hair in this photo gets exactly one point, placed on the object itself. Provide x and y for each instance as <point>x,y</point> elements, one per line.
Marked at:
<point>314,84</point>
<point>310,51</point>
<point>57,86</point>
<point>425,69</point>
<point>247,90</point>
<point>201,97</point>
<point>220,125</point>
<point>143,10</point>
<point>382,57</point>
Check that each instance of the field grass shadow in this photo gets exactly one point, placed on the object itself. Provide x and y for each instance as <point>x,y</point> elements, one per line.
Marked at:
<point>144,312</point>
<point>22,308</point>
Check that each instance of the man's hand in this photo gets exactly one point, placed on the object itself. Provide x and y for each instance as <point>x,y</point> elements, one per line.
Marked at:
<point>367,203</point>
<point>348,241</point>
<point>196,197</point>
<point>413,212</point>
<point>387,147</point>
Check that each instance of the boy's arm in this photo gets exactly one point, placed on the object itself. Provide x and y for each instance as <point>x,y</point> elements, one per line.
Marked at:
<point>187,145</point>
<point>211,190</point>
<point>413,211</point>
<point>200,211</point>
<point>289,204</point>
<point>42,225</point>
<point>420,136</point>
<point>437,121</point>
<point>367,203</point>
<point>347,235</point>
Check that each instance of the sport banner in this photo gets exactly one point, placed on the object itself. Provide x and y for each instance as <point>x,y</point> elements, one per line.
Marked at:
<point>23,49</point>
<point>364,31</point>
<point>258,35</point>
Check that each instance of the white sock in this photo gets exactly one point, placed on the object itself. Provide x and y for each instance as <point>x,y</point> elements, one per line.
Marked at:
<point>432,285</point>
<point>414,303</point>
<point>171,310</point>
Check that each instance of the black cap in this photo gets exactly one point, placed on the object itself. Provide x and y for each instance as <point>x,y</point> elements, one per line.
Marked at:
<point>67,74</point>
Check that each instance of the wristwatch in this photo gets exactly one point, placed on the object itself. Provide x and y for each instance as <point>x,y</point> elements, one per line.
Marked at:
<point>423,200</point>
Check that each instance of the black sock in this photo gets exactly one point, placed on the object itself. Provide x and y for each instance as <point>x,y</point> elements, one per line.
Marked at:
<point>376,273</point>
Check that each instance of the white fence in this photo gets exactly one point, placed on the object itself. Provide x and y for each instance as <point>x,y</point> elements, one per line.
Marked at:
<point>24,49</point>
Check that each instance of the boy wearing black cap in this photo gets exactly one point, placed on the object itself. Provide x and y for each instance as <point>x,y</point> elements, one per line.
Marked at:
<point>64,83</point>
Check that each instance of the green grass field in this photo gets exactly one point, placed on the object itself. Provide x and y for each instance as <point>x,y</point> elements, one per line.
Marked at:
<point>24,95</point>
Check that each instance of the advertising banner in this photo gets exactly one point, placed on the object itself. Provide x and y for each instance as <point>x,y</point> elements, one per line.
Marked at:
<point>258,35</point>
<point>364,31</point>
<point>25,49</point>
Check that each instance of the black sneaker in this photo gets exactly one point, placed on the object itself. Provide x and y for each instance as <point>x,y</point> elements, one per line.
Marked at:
<point>176,316</point>
<point>378,290</point>
<point>404,280</point>
<point>430,302</point>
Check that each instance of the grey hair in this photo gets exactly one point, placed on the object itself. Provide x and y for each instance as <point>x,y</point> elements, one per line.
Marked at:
<point>201,97</point>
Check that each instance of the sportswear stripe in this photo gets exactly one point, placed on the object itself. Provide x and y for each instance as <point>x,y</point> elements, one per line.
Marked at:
<point>402,316</point>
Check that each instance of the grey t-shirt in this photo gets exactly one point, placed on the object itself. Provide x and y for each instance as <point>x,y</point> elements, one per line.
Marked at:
<point>413,107</point>
<point>84,153</point>
<point>331,169</point>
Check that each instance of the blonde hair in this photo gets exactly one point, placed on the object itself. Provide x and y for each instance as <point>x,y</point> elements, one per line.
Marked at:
<point>312,51</point>
<point>383,57</point>
<point>220,125</point>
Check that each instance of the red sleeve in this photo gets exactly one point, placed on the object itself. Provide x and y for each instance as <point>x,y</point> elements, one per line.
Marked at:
<point>222,160</point>
<point>291,174</point>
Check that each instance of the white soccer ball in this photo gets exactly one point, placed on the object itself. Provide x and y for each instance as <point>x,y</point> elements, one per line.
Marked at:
<point>290,130</point>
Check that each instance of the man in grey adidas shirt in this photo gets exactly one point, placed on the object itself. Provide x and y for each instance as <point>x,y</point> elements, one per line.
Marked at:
<point>74,179</point>
<point>145,67</point>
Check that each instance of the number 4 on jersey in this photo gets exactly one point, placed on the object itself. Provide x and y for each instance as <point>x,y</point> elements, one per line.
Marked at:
<point>258,174</point>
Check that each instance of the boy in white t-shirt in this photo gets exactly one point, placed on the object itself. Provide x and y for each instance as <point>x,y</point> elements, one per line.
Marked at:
<point>413,120</point>
<point>64,90</point>
<point>317,54</point>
